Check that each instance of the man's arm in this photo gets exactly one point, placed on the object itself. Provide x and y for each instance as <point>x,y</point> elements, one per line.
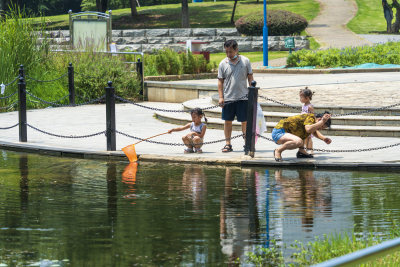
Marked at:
<point>250,78</point>
<point>221,92</point>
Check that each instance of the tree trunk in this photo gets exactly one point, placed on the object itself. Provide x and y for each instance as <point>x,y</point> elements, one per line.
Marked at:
<point>233,13</point>
<point>396,24</point>
<point>104,5</point>
<point>101,5</point>
<point>98,5</point>
<point>185,14</point>
<point>134,12</point>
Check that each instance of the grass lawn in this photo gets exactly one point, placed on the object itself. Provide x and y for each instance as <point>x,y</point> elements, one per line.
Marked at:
<point>202,15</point>
<point>253,56</point>
<point>369,18</point>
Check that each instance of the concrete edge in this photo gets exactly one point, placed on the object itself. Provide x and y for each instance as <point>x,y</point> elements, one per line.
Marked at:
<point>324,71</point>
<point>244,161</point>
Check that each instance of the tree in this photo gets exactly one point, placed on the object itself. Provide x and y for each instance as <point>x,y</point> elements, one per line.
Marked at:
<point>185,14</point>
<point>233,13</point>
<point>133,8</point>
<point>101,5</point>
<point>396,25</point>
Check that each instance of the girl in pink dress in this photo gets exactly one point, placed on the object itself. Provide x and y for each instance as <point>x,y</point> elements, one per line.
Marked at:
<point>305,98</point>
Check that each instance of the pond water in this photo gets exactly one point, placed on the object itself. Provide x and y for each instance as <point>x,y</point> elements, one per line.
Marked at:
<point>75,212</point>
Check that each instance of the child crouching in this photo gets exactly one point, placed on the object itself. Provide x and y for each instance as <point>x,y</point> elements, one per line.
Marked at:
<point>194,139</point>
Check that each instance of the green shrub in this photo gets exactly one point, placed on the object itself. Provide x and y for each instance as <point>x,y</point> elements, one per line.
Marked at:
<point>94,70</point>
<point>279,23</point>
<point>388,53</point>
<point>169,62</point>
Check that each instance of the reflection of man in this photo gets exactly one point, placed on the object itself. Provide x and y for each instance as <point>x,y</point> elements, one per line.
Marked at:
<point>238,219</point>
<point>233,74</point>
<point>306,194</point>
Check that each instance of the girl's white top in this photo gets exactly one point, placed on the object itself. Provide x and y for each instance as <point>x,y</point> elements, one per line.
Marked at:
<point>304,109</point>
<point>196,128</point>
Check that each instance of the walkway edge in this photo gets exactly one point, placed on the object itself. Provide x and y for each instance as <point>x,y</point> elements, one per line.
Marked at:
<point>325,71</point>
<point>243,161</point>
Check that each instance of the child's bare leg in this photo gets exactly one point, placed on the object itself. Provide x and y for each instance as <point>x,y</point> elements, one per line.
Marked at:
<point>187,141</point>
<point>198,142</point>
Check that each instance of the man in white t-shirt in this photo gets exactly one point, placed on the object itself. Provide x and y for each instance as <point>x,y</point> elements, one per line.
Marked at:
<point>234,72</point>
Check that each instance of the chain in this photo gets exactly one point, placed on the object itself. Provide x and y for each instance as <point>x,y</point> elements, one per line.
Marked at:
<point>10,106</point>
<point>6,128</point>
<point>143,106</point>
<point>280,103</point>
<point>341,150</point>
<point>46,81</point>
<point>66,136</point>
<point>5,97</point>
<point>174,144</point>
<point>366,111</point>
<point>13,81</point>
<point>170,110</point>
<point>335,115</point>
<point>355,150</point>
<point>66,105</point>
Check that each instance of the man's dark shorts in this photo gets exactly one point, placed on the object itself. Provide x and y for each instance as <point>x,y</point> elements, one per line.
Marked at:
<point>236,108</point>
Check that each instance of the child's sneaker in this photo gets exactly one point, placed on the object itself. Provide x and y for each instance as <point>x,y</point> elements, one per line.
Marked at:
<point>198,150</point>
<point>188,150</point>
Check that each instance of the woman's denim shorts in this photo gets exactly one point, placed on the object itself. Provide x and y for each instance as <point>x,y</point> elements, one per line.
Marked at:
<point>277,134</point>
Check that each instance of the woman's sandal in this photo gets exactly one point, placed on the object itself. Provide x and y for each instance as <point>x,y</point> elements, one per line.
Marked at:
<point>277,159</point>
<point>227,148</point>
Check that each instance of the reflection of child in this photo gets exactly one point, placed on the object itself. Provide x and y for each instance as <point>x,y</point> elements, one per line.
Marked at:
<point>194,139</point>
<point>305,98</point>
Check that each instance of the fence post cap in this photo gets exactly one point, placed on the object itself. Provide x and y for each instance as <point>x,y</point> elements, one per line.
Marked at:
<point>70,64</point>
<point>109,83</point>
<point>253,83</point>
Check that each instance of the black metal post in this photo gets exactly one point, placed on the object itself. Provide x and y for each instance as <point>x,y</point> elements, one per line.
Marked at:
<point>139,70</point>
<point>110,117</point>
<point>71,84</point>
<point>21,71</point>
<point>22,109</point>
<point>251,120</point>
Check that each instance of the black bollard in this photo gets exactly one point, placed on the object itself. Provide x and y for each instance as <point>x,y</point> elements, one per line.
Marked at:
<point>21,71</point>
<point>71,84</point>
<point>110,117</point>
<point>251,120</point>
<point>139,70</point>
<point>22,109</point>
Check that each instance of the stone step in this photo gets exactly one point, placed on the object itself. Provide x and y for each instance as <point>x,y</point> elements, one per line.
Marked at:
<point>356,120</point>
<point>214,121</point>
<point>274,107</point>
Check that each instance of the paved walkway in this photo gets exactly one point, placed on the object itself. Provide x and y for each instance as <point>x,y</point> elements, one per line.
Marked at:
<point>329,28</point>
<point>139,122</point>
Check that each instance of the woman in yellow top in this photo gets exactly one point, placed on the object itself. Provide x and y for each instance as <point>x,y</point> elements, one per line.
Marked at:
<point>291,132</point>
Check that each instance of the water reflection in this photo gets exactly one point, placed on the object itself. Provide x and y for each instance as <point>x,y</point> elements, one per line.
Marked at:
<point>129,178</point>
<point>239,221</point>
<point>183,215</point>
<point>194,186</point>
<point>305,194</point>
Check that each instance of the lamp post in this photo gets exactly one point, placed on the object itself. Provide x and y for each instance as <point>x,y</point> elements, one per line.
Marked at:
<point>265,36</point>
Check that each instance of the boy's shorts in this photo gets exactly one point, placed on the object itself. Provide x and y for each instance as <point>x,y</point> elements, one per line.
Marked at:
<point>277,134</point>
<point>232,109</point>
